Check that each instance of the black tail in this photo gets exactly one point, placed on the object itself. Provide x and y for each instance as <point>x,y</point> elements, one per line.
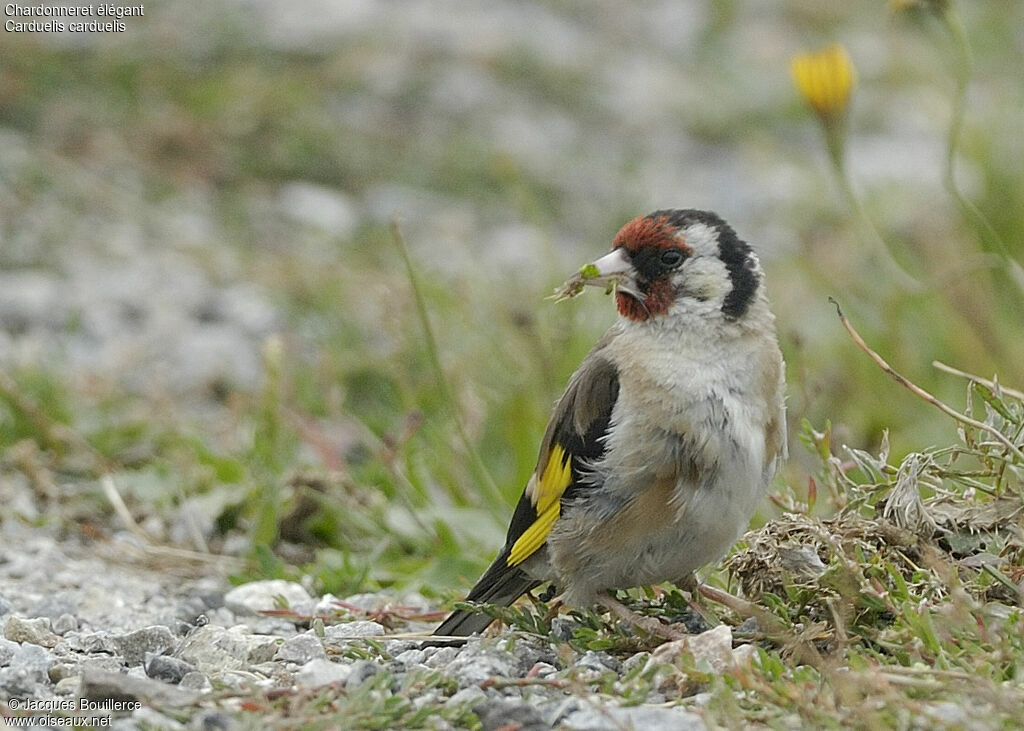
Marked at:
<point>501,584</point>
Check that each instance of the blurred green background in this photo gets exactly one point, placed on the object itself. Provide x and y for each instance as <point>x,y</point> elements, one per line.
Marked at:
<point>201,292</point>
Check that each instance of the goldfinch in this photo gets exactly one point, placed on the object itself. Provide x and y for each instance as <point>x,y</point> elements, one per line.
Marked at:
<point>667,435</point>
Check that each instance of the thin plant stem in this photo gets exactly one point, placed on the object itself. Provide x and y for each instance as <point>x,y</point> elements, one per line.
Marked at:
<point>1019,395</point>
<point>495,497</point>
<point>834,136</point>
<point>920,392</point>
<point>963,69</point>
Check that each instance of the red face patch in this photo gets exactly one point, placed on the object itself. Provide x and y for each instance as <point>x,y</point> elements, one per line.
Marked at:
<point>644,231</point>
<point>657,301</point>
<point>641,237</point>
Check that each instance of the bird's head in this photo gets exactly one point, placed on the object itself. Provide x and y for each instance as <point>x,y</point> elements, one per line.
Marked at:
<point>676,261</point>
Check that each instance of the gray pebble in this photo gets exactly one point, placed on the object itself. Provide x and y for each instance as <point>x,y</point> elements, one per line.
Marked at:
<point>476,665</point>
<point>502,714</point>
<point>473,695</point>
<point>134,646</point>
<point>599,662</point>
<point>301,649</point>
<point>321,671</point>
<point>359,628</point>
<point>361,671</point>
<point>215,649</point>
<point>65,623</point>
<point>37,631</point>
<point>68,686</point>
<point>28,668</point>
<point>196,680</point>
<point>410,657</point>
<point>561,628</point>
<point>166,668</point>
<point>7,650</point>
<point>261,596</point>
<point>649,718</point>
<point>747,627</point>
<point>100,685</point>
<point>439,657</point>
<point>91,642</point>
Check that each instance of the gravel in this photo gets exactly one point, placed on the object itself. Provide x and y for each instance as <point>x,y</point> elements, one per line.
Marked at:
<point>154,654</point>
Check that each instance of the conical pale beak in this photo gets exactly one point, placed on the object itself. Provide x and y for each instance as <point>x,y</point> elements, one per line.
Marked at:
<point>611,270</point>
<point>608,269</point>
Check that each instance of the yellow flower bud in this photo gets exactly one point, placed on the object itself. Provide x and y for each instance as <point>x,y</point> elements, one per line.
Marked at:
<point>826,79</point>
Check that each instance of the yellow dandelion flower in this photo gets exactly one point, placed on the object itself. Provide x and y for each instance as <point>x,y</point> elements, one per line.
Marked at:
<point>826,79</point>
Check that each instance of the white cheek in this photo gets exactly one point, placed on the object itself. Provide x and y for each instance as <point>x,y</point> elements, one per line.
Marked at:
<point>705,279</point>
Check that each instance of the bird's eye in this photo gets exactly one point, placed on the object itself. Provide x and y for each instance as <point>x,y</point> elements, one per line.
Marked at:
<point>671,258</point>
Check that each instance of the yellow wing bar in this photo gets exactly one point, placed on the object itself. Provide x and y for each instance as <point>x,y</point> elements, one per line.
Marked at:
<point>547,502</point>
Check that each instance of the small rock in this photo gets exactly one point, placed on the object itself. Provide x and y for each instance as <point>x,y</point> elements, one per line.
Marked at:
<point>700,700</point>
<point>559,711</point>
<point>301,649</point>
<point>196,681</point>
<point>713,647</point>
<point>36,631</point>
<point>166,668</point>
<point>472,695</point>
<point>73,669</point>
<point>634,661</point>
<point>440,657</point>
<point>68,686</point>
<point>150,718</point>
<point>99,686</point>
<point>562,627</point>
<point>61,670</point>
<point>369,602</point>
<point>5,607</point>
<point>598,661</point>
<point>321,671</point>
<point>411,657</point>
<point>693,622</point>
<point>259,624</point>
<point>744,655</point>
<point>65,623</point>
<point>325,606</point>
<point>214,649</point>
<point>542,670</point>
<point>359,628</point>
<point>649,718</point>
<point>528,652</point>
<point>504,714</point>
<point>262,596</point>
<point>394,648</point>
<point>747,628</point>
<point>7,650</point>
<point>361,671</point>
<point>28,669</point>
<point>475,665</point>
<point>91,642</point>
<point>134,646</point>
